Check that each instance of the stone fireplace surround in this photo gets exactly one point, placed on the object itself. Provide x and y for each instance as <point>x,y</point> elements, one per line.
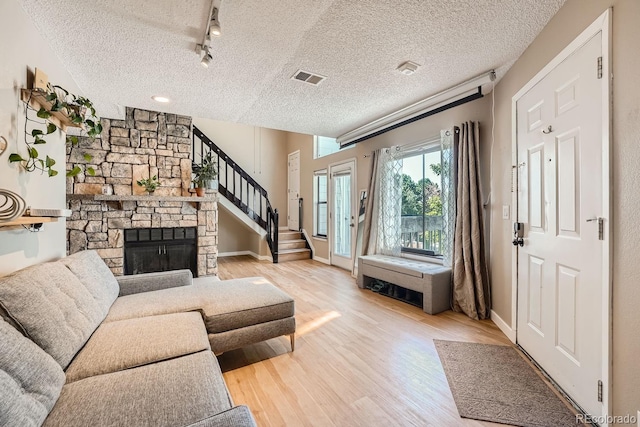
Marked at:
<point>146,143</point>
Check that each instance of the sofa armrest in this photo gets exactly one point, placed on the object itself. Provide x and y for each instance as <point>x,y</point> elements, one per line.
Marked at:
<point>238,416</point>
<point>147,282</point>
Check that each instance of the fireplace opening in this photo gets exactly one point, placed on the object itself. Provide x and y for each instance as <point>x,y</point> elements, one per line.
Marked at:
<point>148,250</point>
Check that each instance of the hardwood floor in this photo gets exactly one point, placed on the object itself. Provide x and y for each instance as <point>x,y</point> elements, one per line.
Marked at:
<point>361,359</point>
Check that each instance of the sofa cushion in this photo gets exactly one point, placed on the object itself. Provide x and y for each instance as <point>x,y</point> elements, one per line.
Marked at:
<point>245,302</point>
<point>226,305</point>
<point>53,308</point>
<point>125,344</point>
<point>176,392</point>
<point>95,276</point>
<point>238,416</point>
<point>147,282</point>
<point>164,301</point>
<point>30,380</point>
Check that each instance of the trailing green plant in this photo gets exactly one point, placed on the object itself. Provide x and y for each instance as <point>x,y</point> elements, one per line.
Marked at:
<point>150,184</point>
<point>80,112</point>
<point>206,171</point>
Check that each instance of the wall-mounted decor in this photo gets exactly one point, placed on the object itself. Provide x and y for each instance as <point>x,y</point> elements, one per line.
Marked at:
<point>55,109</point>
<point>12,206</point>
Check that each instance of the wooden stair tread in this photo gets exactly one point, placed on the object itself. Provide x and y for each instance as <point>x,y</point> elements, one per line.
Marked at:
<point>293,251</point>
<point>291,241</point>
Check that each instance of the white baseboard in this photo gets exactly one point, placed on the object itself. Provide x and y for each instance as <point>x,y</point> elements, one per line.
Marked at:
<point>322,260</point>
<point>250,253</point>
<point>502,325</point>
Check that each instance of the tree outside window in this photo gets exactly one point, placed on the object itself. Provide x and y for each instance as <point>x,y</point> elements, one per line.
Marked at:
<point>422,203</point>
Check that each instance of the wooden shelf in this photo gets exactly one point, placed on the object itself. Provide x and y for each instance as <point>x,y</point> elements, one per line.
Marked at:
<point>25,220</point>
<point>38,99</point>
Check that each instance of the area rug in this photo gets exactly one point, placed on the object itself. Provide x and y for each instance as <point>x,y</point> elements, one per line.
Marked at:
<point>494,383</point>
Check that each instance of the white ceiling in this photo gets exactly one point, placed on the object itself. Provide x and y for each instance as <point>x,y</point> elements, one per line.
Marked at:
<point>122,52</point>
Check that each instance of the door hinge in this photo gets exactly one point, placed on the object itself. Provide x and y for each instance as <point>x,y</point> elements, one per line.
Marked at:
<point>600,67</point>
<point>600,228</point>
<point>599,390</point>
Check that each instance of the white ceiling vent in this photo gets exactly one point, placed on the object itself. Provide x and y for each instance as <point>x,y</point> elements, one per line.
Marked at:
<point>307,77</point>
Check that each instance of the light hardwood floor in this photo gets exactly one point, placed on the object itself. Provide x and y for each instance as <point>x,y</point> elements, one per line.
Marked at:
<point>361,359</point>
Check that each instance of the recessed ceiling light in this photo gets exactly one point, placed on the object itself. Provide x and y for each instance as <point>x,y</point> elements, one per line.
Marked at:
<point>160,99</point>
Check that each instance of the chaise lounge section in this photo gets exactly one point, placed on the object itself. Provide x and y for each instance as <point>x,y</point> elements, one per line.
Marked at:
<point>81,347</point>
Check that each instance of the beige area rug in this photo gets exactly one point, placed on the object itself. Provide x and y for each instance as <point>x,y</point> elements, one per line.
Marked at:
<point>494,383</point>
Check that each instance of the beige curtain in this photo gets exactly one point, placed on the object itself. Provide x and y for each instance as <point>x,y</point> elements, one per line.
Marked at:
<point>369,230</point>
<point>471,293</point>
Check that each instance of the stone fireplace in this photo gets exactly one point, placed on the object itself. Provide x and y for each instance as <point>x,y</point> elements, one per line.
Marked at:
<point>103,206</point>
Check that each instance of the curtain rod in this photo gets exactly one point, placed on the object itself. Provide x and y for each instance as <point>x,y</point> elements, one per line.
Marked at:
<point>450,98</point>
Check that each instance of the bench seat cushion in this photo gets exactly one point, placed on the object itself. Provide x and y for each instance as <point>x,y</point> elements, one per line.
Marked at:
<point>30,380</point>
<point>130,343</point>
<point>406,266</point>
<point>175,392</point>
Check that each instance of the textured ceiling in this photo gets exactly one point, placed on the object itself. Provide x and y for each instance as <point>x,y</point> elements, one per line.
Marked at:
<point>122,52</point>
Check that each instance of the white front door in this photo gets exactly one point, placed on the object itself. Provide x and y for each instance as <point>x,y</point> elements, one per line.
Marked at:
<point>342,214</point>
<point>293,214</point>
<point>560,203</point>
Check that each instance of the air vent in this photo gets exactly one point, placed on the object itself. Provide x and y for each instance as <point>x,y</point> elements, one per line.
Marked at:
<point>307,77</point>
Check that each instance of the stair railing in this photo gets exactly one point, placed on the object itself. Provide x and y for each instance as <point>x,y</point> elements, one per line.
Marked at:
<point>237,186</point>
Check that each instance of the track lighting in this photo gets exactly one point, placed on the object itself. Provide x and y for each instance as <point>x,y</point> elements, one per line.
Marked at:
<point>206,58</point>
<point>213,30</point>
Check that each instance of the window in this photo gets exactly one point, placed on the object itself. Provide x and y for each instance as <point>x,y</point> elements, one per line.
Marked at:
<point>323,146</point>
<point>320,203</point>
<point>422,223</point>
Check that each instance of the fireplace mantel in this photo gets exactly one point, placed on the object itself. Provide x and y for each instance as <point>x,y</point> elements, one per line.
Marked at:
<point>195,200</point>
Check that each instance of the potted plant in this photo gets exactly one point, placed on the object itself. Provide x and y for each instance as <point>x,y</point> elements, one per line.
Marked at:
<point>150,184</point>
<point>205,175</point>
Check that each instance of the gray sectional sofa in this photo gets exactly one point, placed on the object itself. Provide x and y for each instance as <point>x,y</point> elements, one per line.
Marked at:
<point>80,347</point>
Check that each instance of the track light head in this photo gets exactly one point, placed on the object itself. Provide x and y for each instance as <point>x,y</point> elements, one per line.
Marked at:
<point>206,59</point>
<point>215,29</point>
<point>214,26</point>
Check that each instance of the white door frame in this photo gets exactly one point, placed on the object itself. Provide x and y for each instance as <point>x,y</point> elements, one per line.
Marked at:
<point>601,24</point>
<point>288,181</point>
<point>330,203</point>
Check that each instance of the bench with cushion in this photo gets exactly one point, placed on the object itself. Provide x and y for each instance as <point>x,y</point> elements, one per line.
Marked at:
<point>80,347</point>
<point>432,280</point>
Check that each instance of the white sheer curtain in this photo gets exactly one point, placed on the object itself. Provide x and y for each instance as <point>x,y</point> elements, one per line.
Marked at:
<point>389,206</point>
<point>448,194</point>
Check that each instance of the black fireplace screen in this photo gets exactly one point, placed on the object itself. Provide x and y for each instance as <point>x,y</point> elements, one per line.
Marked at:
<point>147,250</point>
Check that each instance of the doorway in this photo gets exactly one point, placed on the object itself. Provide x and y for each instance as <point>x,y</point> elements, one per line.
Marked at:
<point>562,279</point>
<point>342,214</point>
<point>293,192</point>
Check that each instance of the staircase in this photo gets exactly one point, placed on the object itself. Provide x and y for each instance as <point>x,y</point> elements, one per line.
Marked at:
<point>237,186</point>
<point>291,246</point>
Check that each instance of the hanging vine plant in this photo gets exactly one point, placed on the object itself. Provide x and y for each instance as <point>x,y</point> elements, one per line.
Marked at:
<point>77,111</point>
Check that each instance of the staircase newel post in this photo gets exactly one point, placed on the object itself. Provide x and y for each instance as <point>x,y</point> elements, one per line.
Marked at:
<point>275,236</point>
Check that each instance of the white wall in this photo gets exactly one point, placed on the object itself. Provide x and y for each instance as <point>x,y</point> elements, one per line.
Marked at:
<point>22,51</point>
<point>568,23</point>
